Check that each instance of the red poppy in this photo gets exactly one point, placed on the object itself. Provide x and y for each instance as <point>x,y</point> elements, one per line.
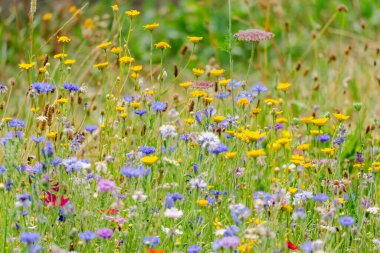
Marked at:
<point>156,251</point>
<point>291,246</point>
<point>110,211</point>
<point>51,199</point>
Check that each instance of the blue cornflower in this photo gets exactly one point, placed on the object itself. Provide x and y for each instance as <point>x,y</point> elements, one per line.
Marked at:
<point>16,123</point>
<point>158,106</point>
<point>234,84</point>
<point>258,88</point>
<point>140,112</point>
<point>37,139</point>
<point>2,170</point>
<point>153,241</point>
<point>147,150</point>
<point>87,236</point>
<point>70,86</point>
<point>231,231</point>
<point>320,197</point>
<point>339,140</point>
<point>209,111</point>
<point>308,247</point>
<point>184,137</point>
<point>323,138</point>
<point>346,221</point>
<point>49,149</point>
<point>194,249</point>
<point>133,172</point>
<point>30,238</point>
<point>43,87</point>
<point>222,95</point>
<point>34,248</point>
<point>221,148</point>
<point>91,128</point>
<point>239,212</point>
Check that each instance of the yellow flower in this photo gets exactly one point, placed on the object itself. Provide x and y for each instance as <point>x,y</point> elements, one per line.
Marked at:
<point>224,82</point>
<point>152,26</point>
<point>195,39</point>
<point>284,141</point>
<point>185,84</point>
<point>198,72</point>
<point>26,66</point>
<point>341,117</point>
<point>34,109</point>
<point>88,24</point>
<point>136,68</point>
<point>135,104</point>
<point>115,7</point>
<point>254,135</point>
<point>101,65</point>
<point>72,9</point>
<point>320,121</point>
<point>134,75</point>
<point>270,101</point>
<point>287,207</point>
<point>328,151</point>
<point>230,155</point>
<point>218,119</point>
<point>255,110</point>
<point>51,135</point>
<point>199,93</point>
<point>243,101</point>
<point>69,62</point>
<point>256,153</point>
<point>47,16</point>
<point>217,72</point>
<point>123,115</point>
<point>283,86</point>
<point>149,91</point>
<point>202,202</point>
<point>303,147</point>
<point>116,50</point>
<point>162,45</point>
<point>307,119</point>
<point>62,101</point>
<point>149,160</point>
<point>6,119</point>
<point>104,45</point>
<point>282,120</point>
<point>190,121</point>
<point>126,59</point>
<point>42,69</point>
<point>208,99</point>
<point>217,224</point>
<point>60,56</point>
<point>292,190</point>
<point>132,13</point>
<point>121,108</point>
<point>316,132</point>
<point>63,39</point>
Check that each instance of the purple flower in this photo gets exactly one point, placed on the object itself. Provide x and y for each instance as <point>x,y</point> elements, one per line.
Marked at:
<point>231,231</point>
<point>226,242</point>
<point>34,248</point>
<point>70,86</point>
<point>147,150</point>
<point>308,247</point>
<point>323,138</point>
<point>16,123</point>
<point>194,249</point>
<point>158,106</point>
<point>2,169</point>
<point>234,84</point>
<point>258,88</point>
<point>37,139</point>
<point>221,148</point>
<point>106,185</point>
<point>320,197</point>
<point>134,172</point>
<point>140,112</point>
<point>104,233</point>
<point>43,87</point>
<point>239,212</point>
<point>152,241</point>
<point>209,111</point>
<point>339,140</point>
<point>91,128</point>
<point>87,236</point>
<point>359,158</point>
<point>346,221</point>
<point>30,238</point>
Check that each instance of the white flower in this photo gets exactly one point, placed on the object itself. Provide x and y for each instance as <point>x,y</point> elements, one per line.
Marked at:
<point>138,195</point>
<point>373,210</point>
<point>167,131</point>
<point>208,140</point>
<point>173,213</point>
<point>171,231</point>
<point>198,183</point>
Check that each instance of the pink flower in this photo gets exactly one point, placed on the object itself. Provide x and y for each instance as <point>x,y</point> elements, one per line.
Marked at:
<point>106,185</point>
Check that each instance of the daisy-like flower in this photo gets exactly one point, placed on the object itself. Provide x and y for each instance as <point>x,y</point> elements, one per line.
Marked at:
<point>104,45</point>
<point>69,62</point>
<point>149,160</point>
<point>198,72</point>
<point>283,86</point>
<point>341,117</point>
<point>132,13</point>
<point>162,45</point>
<point>195,39</point>
<point>217,72</point>
<point>173,213</point>
<point>256,153</point>
<point>101,65</point>
<point>26,66</point>
<point>126,59</point>
<point>63,39</point>
<point>152,26</point>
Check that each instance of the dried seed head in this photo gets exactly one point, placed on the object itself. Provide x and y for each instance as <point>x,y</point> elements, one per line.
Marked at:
<point>342,8</point>
<point>253,35</point>
<point>184,49</point>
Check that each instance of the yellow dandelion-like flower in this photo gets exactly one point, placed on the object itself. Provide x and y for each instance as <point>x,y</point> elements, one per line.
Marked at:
<point>283,86</point>
<point>47,17</point>
<point>217,72</point>
<point>121,108</point>
<point>101,65</point>
<point>271,101</point>
<point>104,45</point>
<point>72,9</point>
<point>136,68</point>
<point>63,39</point>
<point>26,66</point>
<point>42,69</point>
<point>89,24</point>
<point>61,101</point>
<point>316,132</point>
<point>115,7</point>
<point>224,82</point>
<point>198,72</point>
<point>307,119</point>
<point>195,39</point>
<point>135,75</point>
<point>152,26</point>
<point>135,104</point>
<point>218,119</point>
<point>328,151</point>
<point>303,147</point>
<point>149,160</point>
<point>123,115</point>
<point>51,135</point>
<point>292,190</point>
<point>116,50</point>
<point>60,56</point>
<point>256,153</point>
<point>341,117</point>
<point>69,62</point>
<point>6,119</point>
<point>284,141</point>
<point>189,121</point>
<point>282,120</point>
<point>149,91</point>
<point>208,99</point>
<point>162,45</point>
<point>185,84</point>
<point>255,111</point>
<point>132,13</point>
<point>199,93</point>
<point>320,121</point>
<point>127,59</point>
<point>230,155</point>
<point>243,101</point>
<point>202,202</point>
<point>254,135</point>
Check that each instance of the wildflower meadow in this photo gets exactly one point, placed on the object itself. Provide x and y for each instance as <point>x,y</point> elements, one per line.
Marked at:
<point>189,126</point>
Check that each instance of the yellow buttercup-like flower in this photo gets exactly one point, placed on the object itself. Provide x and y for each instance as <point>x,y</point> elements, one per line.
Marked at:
<point>132,13</point>
<point>217,72</point>
<point>127,59</point>
<point>101,65</point>
<point>152,26</point>
<point>256,153</point>
<point>218,119</point>
<point>198,72</point>
<point>185,84</point>
<point>136,68</point>
<point>283,86</point>
<point>202,202</point>
<point>116,50</point>
<point>26,66</point>
<point>60,56</point>
<point>307,119</point>
<point>149,160</point>
<point>162,45</point>
<point>195,39</point>
<point>69,62</point>
<point>320,121</point>
<point>63,39</point>
<point>104,45</point>
<point>224,82</point>
<point>230,155</point>
<point>341,117</point>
